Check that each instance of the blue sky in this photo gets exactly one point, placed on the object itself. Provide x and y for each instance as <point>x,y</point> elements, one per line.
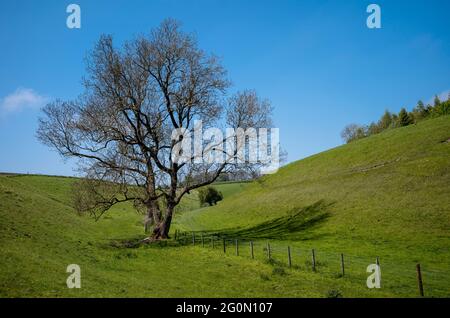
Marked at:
<point>317,62</point>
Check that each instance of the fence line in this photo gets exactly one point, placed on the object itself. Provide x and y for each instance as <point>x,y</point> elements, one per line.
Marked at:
<point>339,265</point>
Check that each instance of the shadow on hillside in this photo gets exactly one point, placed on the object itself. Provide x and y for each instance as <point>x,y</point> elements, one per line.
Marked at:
<point>296,225</point>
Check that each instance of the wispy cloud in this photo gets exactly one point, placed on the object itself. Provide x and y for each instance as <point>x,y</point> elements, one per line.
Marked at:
<point>20,99</point>
<point>442,96</point>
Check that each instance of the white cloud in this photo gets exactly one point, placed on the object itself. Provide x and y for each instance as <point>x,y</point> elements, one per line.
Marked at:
<point>442,96</point>
<point>20,99</point>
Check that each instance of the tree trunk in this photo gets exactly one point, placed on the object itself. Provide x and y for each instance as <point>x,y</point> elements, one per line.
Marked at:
<point>148,221</point>
<point>161,230</point>
<point>153,215</point>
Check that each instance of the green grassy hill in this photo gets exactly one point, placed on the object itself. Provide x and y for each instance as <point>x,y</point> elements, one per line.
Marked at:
<point>393,186</point>
<point>40,235</point>
<point>385,196</point>
<point>191,202</point>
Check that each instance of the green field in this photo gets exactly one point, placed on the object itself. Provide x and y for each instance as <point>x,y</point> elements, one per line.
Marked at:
<point>386,195</point>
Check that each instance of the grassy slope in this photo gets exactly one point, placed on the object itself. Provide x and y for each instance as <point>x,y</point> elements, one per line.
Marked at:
<point>398,211</point>
<point>386,195</point>
<point>191,202</point>
<point>40,234</point>
<point>395,183</point>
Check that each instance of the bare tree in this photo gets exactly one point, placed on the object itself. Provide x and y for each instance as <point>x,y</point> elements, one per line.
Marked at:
<point>353,132</point>
<point>121,128</point>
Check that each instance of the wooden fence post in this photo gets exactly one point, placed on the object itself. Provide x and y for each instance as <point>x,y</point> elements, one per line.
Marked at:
<point>313,260</point>
<point>193,238</point>
<point>342,265</point>
<point>419,279</point>
<point>203,241</point>
<point>289,256</point>
<point>251,249</point>
<point>237,247</point>
<point>224,246</point>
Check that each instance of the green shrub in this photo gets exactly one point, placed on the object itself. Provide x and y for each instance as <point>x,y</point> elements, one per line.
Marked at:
<point>209,195</point>
<point>404,119</point>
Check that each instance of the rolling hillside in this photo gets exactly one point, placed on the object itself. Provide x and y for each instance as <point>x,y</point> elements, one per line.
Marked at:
<point>393,186</point>
<point>40,235</point>
<point>386,196</point>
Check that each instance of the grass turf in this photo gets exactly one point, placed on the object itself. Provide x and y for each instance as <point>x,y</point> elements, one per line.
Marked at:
<point>384,196</point>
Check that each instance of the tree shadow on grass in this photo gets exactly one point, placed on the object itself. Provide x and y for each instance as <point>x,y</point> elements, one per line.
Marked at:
<point>137,241</point>
<point>296,225</point>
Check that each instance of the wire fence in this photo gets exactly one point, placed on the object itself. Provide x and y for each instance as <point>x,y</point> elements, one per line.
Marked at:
<point>405,279</point>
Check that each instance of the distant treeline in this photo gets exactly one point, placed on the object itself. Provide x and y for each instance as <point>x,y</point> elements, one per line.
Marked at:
<point>391,120</point>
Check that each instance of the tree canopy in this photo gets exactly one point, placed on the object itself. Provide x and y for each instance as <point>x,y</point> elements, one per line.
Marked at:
<point>122,127</point>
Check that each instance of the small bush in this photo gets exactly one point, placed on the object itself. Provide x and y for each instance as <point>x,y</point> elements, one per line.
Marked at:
<point>209,195</point>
